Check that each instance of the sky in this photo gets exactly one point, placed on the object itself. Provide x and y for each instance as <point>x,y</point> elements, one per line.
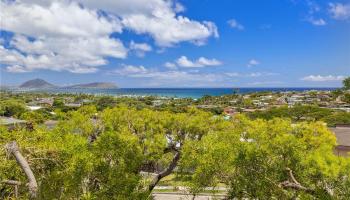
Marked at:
<point>176,43</point>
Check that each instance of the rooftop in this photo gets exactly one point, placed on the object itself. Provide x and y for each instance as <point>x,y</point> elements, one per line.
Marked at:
<point>342,134</point>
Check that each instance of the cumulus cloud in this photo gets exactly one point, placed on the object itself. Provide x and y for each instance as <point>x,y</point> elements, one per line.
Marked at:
<point>339,11</point>
<point>170,65</point>
<point>57,19</point>
<point>76,35</point>
<point>252,63</point>
<point>128,70</point>
<point>316,22</point>
<point>64,36</point>
<point>140,48</point>
<point>158,18</point>
<point>234,24</point>
<point>319,78</point>
<point>77,55</point>
<point>266,83</point>
<point>168,77</point>
<point>183,61</point>
<point>313,14</point>
<point>250,75</point>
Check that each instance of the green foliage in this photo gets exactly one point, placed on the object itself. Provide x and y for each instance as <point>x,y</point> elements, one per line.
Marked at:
<point>336,93</point>
<point>300,113</point>
<point>12,107</point>
<point>252,160</point>
<point>346,98</point>
<point>337,118</point>
<point>105,102</point>
<point>58,103</point>
<point>346,83</point>
<point>99,150</point>
<point>36,117</point>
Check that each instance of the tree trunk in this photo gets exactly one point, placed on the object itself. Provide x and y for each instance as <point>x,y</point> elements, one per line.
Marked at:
<point>12,148</point>
<point>165,172</point>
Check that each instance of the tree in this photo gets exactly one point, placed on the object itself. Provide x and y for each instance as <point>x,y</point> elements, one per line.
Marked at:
<point>58,103</point>
<point>260,159</point>
<point>12,108</point>
<point>161,135</point>
<point>346,98</point>
<point>346,83</point>
<point>106,157</point>
<point>105,102</point>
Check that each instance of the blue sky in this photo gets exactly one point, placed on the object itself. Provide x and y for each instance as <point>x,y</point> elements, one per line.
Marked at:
<point>184,43</point>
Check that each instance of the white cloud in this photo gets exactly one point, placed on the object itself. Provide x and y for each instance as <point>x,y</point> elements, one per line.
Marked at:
<point>252,63</point>
<point>183,61</point>
<point>339,11</point>
<point>128,70</point>
<point>319,78</point>
<point>234,24</point>
<point>58,19</point>
<point>208,62</point>
<point>158,18</point>
<point>250,75</point>
<point>77,55</point>
<point>317,22</point>
<point>140,48</point>
<point>169,30</point>
<point>168,78</point>
<point>16,69</point>
<point>266,83</point>
<point>313,14</point>
<point>66,37</point>
<point>75,36</point>
<point>178,7</point>
<point>170,65</point>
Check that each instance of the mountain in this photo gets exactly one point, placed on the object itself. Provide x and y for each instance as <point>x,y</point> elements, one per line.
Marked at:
<point>36,83</point>
<point>96,85</point>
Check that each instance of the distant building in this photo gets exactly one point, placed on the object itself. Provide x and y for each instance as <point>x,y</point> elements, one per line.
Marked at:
<point>157,102</point>
<point>229,111</point>
<point>342,133</point>
<point>44,101</point>
<point>73,105</point>
<point>34,107</point>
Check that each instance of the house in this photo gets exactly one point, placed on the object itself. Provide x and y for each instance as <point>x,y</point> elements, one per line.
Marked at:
<point>342,133</point>
<point>32,108</point>
<point>44,101</point>
<point>229,111</point>
<point>157,102</point>
<point>73,105</point>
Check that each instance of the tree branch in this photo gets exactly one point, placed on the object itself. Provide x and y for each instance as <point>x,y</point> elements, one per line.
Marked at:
<point>11,182</point>
<point>295,184</point>
<point>166,171</point>
<point>12,148</point>
<point>93,137</point>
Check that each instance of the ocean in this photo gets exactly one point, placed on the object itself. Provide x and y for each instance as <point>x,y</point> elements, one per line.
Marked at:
<point>173,92</point>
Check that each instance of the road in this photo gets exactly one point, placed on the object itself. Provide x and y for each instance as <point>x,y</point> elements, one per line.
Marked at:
<point>177,196</point>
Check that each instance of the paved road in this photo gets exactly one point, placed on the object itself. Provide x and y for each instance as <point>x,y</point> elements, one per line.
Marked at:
<point>175,196</point>
<point>182,188</point>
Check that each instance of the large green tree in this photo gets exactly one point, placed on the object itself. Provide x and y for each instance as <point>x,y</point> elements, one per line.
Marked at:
<point>106,156</point>
<point>270,160</point>
<point>346,83</point>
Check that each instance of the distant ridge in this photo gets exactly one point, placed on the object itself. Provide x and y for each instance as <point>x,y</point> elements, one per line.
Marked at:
<point>42,84</point>
<point>95,85</point>
<point>37,83</point>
